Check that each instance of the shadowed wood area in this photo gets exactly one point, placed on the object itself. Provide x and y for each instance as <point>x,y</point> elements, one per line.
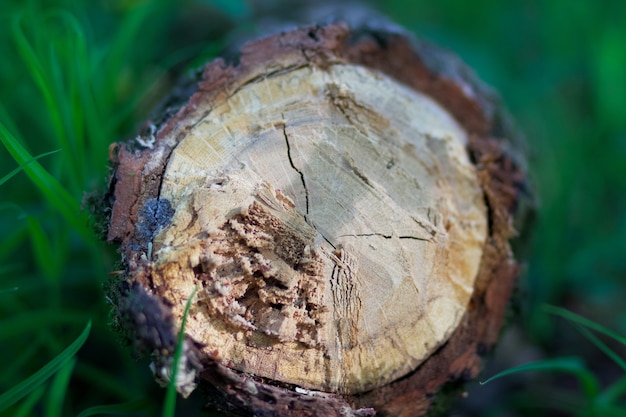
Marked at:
<point>342,202</point>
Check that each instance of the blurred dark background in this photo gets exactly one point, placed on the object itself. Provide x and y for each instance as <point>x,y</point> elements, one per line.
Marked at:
<point>76,76</point>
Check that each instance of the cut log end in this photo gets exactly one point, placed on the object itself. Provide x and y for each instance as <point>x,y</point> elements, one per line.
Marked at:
<point>339,208</point>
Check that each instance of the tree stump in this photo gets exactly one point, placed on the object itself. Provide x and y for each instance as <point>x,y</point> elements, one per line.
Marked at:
<point>341,201</point>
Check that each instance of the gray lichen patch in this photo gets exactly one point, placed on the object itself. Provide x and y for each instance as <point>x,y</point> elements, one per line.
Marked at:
<point>153,217</point>
<point>187,371</point>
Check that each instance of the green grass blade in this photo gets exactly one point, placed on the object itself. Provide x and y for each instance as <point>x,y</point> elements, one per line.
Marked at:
<point>8,290</point>
<point>34,381</point>
<point>35,320</point>
<point>571,365</point>
<point>19,168</point>
<point>47,263</point>
<point>58,390</point>
<point>12,239</point>
<point>116,409</point>
<point>64,80</point>
<point>613,393</point>
<point>170,396</point>
<point>575,318</point>
<point>55,73</point>
<point>603,347</point>
<point>122,45</point>
<point>26,408</point>
<point>94,118</point>
<point>605,411</point>
<point>53,191</point>
<point>37,72</point>
<point>10,370</point>
<point>566,401</point>
<point>5,291</point>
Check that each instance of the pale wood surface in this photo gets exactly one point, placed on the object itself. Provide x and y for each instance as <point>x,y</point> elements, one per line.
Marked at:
<point>334,223</point>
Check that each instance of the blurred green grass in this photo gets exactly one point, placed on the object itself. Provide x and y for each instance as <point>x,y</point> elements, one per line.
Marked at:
<point>76,76</point>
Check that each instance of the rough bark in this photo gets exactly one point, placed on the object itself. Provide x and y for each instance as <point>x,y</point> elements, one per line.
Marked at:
<point>343,200</point>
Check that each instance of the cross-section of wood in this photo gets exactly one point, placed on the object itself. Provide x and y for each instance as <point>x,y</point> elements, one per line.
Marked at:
<point>340,202</point>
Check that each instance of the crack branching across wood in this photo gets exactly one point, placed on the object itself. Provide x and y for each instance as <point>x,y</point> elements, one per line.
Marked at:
<point>386,236</point>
